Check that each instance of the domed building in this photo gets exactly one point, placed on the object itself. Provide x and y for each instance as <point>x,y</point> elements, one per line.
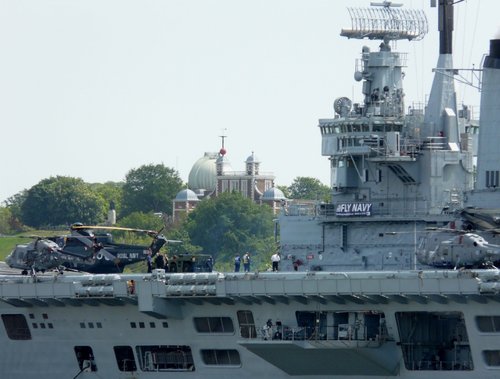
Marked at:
<point>275,198</point>
<point>184,202</point>
<point>203,176</point>
<point>213,174</point>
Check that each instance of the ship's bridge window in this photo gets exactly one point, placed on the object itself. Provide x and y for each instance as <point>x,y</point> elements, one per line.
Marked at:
<point>85,358</point>
<point>488,324</point>
<point>165,358</point>
<point>221,357</point>
<point>16,326</point>
<point>125,358</point>
<point>213,324</point>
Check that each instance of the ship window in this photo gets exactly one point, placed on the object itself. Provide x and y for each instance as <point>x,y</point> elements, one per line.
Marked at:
<point>152,325</point>
<point>82,325</point>
<point>247,324</point>
<point>492,357</point>
<point>141,325</point>
<point>125,358</point>
<point>50,325</point>
<point>32,316</point>
<point>85,358</point>
<point>213,325</point>
<point>133,325</point>
<point>165,324</point>
<point>45,316</point>
<point>42,325</point>
<point>99,325</point>
<point>34,325</point>
<point>221,357</point>
<point>91,325</point>
<point>165,358</point>
<point>489,324</point>
<point>434,341</point>
<point>16,327</point>
<point>492,178</point>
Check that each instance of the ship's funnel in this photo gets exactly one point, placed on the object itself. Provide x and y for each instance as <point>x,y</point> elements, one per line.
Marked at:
<point>489,131</point>
<point>442,104</point>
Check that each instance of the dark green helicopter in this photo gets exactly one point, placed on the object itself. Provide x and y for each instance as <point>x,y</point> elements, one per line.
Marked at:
<point>84,250</point>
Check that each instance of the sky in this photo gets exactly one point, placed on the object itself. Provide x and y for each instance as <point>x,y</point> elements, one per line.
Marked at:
<point>95,88</point>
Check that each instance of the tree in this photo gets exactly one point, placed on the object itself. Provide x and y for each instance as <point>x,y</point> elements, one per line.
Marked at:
<point>307,188</point>
<point>14,204</point>
<point>62,200</point>
<point>230,224</point>
<point>150,188</point>
<point>112,192</point>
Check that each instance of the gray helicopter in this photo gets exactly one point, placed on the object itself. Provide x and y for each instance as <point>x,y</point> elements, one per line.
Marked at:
<point>463,249</point>
<point>39,255</point>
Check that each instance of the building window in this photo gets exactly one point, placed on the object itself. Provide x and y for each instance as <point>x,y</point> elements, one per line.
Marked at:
<point>16,327</point>
<point>85,358</point>
<point>234,186</point>
<point>268,184</point>
<point>247,324</point>
<point>225,185</point>
<point>488,324</point>
<point>165,358</point>
<point>221,357</point>
<point>244,188</point>
<point>492,357</point>
<point>125,358</point>
<point>213,325</point>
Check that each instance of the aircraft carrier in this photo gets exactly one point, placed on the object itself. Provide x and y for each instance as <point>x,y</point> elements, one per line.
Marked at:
<point>394,277</point>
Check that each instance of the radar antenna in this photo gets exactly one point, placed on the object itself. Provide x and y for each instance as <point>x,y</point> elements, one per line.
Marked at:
<point>386,22</point>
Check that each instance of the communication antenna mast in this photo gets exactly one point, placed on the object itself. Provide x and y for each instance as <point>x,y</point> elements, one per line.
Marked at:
<point>385,21</point>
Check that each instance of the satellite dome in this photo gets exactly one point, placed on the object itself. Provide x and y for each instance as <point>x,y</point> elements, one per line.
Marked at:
<point>186,195</point>
<point>203,174</point>
<point>273,194</point>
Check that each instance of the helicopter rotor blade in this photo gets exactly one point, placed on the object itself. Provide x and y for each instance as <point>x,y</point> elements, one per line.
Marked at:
<point>149,232</point>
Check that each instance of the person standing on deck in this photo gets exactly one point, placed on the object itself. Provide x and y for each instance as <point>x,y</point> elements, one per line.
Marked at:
<point>246,262</point>
<point>237,262</point>
<point>275,260</point>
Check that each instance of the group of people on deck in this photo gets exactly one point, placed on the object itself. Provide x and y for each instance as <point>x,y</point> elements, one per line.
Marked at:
<point>275,260</point>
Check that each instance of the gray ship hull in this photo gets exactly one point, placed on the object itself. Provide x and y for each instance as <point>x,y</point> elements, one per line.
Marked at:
<point>364,325</point>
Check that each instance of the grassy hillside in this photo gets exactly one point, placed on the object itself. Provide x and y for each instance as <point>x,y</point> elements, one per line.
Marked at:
<point>7,244</point>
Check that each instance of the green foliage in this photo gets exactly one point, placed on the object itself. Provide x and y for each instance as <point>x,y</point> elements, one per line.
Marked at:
<point>5,221</point>
<point>62,200</point>
<point>180,233</point>
<point>230,224</point>
<point>307,188</point>
<point>111,192</point>
<point>150,188</point>
<point>138,220</point>
<point>7,244</point>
